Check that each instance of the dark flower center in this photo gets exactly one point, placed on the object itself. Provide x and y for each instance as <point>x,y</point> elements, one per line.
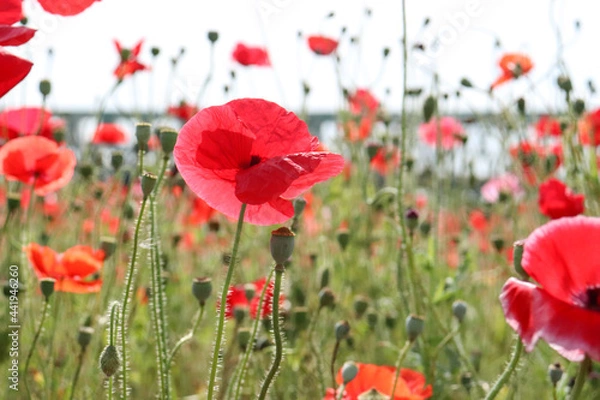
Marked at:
<point>593,299</point>
<point>254,160</point>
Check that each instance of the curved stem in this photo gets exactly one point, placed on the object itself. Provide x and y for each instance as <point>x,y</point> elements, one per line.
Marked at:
<point>333,357</point>
<point>187,337</point>
<point>401,357</point>
<point>514,360</point>
<point>279,269</point>
<point>584,369</point>
<point>35,339</point>
<point>221,319</point>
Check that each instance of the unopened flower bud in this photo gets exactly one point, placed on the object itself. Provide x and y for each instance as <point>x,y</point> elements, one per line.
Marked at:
<point>466,83</point>
<point>498,244</point>
<point>518,249</point>
<point>326,298</point>
<point>466,381</point>
<point>390,320</point>
<point>239,314</point>
<point>386,52</point>
<point>86,170</point>
<point>564,83</point>
<point>14,201</point>
<point>372,319</point>
<point>201,289</point>
<point>108,245</point>
<point>342,329</point>
<point>521,105</point>
<point>155,51</point>
<point>282,244</point>
<point>45,87</point>
<point>148,183</point>
<point>349,371</point>
<point>459,310</point>
<point>243,337</point>
<point>361,304</point>
<point>579,107</point>
<point>168,138</point>
<point>412,219</point>
<point>343,238</point>
<point>555,372</point>
<point>325,276</point>
<point>213,36</point>
<point>142,134</point>
<point>116,160</point>
<point>299,206</point>
<point>85,336</point>
<point>414,326</point>
<point>109,360</point>
<point>249,291</point>
<point>47,287</point>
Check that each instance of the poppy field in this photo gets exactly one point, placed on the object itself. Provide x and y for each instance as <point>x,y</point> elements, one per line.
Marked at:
<point>241,250</point>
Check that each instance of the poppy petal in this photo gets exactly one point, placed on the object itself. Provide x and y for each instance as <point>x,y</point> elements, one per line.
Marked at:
<point>330,165</point>
<point>43,259</point>
<point>11,11</point>
<point>535,314</point>
<point>24,121</point>
<point>66,7</point>
<point>557,256</point>
<point>58,175</point>
<point>14,70</point>
<point>276,211</point>
<point>15,35</point>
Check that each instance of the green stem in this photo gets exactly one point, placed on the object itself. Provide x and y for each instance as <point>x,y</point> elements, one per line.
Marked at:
<point>279,269</point>
<point>510,368</point>
<point>333,357</point>
<point>584,369</point>
<point>35,339</point>
<point>340,393</point>
<point>250,347</point>
<point>401,357</point>
<point>126,296</point>
<point>221,319</point>
<point>187,337</point>
<point>77,371</point>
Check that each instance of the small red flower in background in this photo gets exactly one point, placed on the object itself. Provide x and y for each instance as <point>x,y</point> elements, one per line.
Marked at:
<point>450,130</point>
<point>322,45</point>
<point>14,69</point>
<point>129,63</point>
<point>38,160</point>
<point>387,158</point>
<point>513,65</point>
<point>363,102</point>
<point>478,221</point>
<point>255,152</point>
<point>548,126</point>
<point>236,297</point>
<point>200,213</point>
<point>183,111</point>
<point>589,128</point>
<point>28,121</point>
<point>355,132</point>
<point>410,384</point>
<point>563,308</point>
<point>556,200</point>
<point>247,56</point>
<point>111,134</point>
<point>77,270</point>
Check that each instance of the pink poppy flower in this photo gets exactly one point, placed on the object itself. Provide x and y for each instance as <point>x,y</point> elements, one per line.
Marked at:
<point>563,306</point>
<point>451,131</point>
<point>507,184</point>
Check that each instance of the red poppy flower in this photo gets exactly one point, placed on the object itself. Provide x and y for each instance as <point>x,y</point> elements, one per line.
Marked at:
<point>110,134</point>
<point>563,308</point>
<point>11,11</point>
<point>14,69</point>
<point>548,126</point>
<point>451,132</point>
<point>28,121</point>
<point>322,45</point>
<point>183,111</point>
<point>36,159</point>
<point>478,221</point>
<point>355,132</point>
<point>246,56</point>
<point>556,200</point>
<point>362,101</point>
<point>66,7</point>
<point>255,152</point>
<point>236,297</point>
<point>589,128</point>
<point>513,65</point>
<point>385,159</point>
<point>129,64</point>
<point>200,214</point>
<point>410,384</point>
<point>77,270</point>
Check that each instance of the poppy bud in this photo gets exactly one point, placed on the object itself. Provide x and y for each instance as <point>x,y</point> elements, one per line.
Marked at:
<point>459,310</point>
<point>108,245</point>
<point>429,108</point>
<point>564,83</point>
<point>342,329</point>
<point>282,244</point>
<point>168,138</point>
<point>142,134</point>
<point>386,52</point>
<point>300,318</point>
<point>116,160</point>
<point>13,201</point>
<point>201,289</point>
<point>128,211</point>
<point>361,303</point>
<point>213,36</point>
<point>414,326</point>
<point>326,298</point>
<point>85,336</point>
<point>343,238</point>
<point>243,337</point>
<point>249,291</point>
<point>45,87</point>
<point>325,275</point>
<point>86,170</point>
<point>390,320</point>
<point>299,206</point>
<point>498,244</point>
<point>412,219</point>
<point>148,183</point>
<point>555,372</point>
<point>372,319</point>
<point>521,105</point>
<point>59,135</point>
<point>349,371</point>
<point>47,287</point>
<point>579,107</point>
<point>518,248</point>
<point>239,314</point>
<point>155,51</point>
<point>466,83</point>
<point>109,360</point>
<point>425,228</point>
<point>466,380</point>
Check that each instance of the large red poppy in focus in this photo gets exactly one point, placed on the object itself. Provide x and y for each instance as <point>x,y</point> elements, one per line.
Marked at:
<point>563,308</point>
<point>255,152</point>
<point>322,45</point>
<point>410,385</point>
<point>556,200</point>
<point>77,270</point>
<point>247,56</point>
<point>37,160</point>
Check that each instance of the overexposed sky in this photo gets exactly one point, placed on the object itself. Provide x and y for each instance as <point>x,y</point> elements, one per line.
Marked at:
<point>459,42</point>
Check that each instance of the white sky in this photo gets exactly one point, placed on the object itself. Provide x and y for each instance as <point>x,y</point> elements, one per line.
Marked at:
<point>84,54</point>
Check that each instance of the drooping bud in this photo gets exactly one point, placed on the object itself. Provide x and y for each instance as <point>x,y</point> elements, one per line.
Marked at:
<point>521,105</point>
<point>414,326</point>
<point>349,371</point>
<point>459,310</point>
<point>342,329</point>
<point>148,183</point>
<point>109,360</point>
<point>239,314</point>
<point>85,336</point>
<point>466,83</point>
<point>564,82</point>
<point>282,244</point>
<point>249,291</point>
<point>429,108</point>
<point>86,170</point>
<point>201,289</point>
<point>299,206</point>
<point>466,380</point>
<point>155,51</point>
<point>47,287</point>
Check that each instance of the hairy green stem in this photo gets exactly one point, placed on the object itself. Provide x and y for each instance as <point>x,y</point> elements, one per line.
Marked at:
<point>510,368</point>
<point>187,337</point>
<point>35,339</point>
<point>221,320</point>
